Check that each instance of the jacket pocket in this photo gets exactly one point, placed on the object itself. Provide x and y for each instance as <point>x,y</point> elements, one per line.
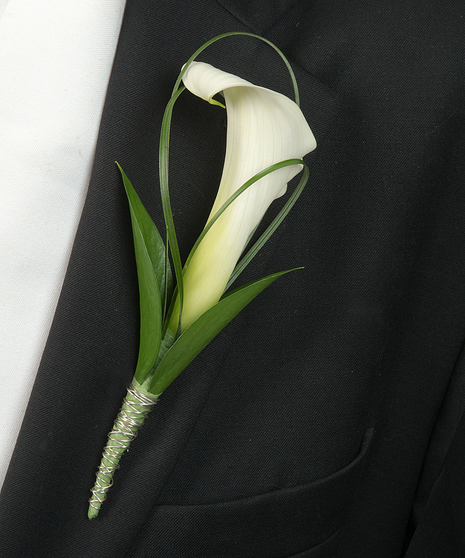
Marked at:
<point>278,524</point>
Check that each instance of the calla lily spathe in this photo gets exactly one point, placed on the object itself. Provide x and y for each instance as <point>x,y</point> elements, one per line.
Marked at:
<point>264,128</point>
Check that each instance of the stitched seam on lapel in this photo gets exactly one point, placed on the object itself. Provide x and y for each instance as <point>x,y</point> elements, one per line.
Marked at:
<point>294,63</point>
<point>250,26</point>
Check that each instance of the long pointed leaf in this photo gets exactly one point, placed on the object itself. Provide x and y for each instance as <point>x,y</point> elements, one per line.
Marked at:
<point>197,336</point>
<point>153,241</point>
<point>150,276</point>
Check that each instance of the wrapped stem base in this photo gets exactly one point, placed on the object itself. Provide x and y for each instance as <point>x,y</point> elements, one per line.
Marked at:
<point>136,406</point>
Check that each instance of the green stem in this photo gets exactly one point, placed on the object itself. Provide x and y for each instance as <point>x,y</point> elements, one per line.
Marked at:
<point>136,406</point>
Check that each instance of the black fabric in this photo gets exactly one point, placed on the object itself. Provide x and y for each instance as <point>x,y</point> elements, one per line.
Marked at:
<point>280,522</point>
<point>326,420</point>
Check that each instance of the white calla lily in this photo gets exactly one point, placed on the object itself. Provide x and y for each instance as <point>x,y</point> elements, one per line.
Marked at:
<point>264,128</point>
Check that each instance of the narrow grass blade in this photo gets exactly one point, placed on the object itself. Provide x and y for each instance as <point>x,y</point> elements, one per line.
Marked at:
<point>237,193</point>
<point>171,239</point>
<point>245,260</point>
<point>231,34</point>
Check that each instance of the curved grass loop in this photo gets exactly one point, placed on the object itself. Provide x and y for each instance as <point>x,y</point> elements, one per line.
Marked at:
<point>171,240</point>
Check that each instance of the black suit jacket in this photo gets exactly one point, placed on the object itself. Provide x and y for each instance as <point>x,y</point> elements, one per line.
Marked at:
<point>327,419</point>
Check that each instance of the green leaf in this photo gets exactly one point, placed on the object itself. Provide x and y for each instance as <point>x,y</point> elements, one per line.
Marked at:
<point>166,343</point>
<point>153,241</point>
<point>171,239</point>
<point>197,336</point>
<point>150,255</point>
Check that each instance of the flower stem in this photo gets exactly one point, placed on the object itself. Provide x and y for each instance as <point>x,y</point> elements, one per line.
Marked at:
<point>136,406</point>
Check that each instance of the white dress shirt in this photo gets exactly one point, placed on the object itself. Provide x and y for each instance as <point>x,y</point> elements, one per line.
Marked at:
<point>3,4</point>
<point>55,62</point>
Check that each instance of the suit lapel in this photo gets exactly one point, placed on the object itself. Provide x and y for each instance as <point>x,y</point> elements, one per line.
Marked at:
<point>92,348</point>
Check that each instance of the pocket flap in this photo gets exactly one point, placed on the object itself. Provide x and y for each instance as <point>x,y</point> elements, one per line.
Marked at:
<point>276,524</point>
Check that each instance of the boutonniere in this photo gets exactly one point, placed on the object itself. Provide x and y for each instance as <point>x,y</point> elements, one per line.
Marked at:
<point>181,312</point>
